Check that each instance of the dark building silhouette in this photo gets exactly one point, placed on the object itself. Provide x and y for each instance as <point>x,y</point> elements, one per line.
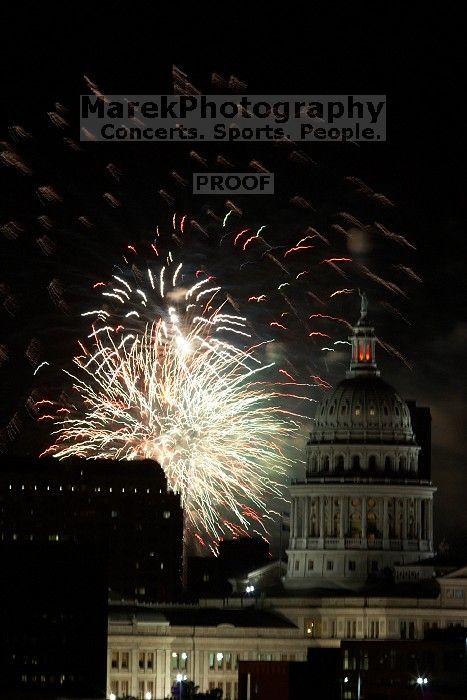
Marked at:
<point>209,576</point>
<point>434,667</point>
<point>123,507</point>
<point>53,616</point>
<point>288,680</point>
<point>243,554</point>
<point>420,417</point>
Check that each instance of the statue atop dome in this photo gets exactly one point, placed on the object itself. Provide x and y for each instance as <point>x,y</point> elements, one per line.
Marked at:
<point>363,306</point>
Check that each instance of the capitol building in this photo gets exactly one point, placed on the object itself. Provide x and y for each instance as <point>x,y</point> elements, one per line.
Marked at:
<point>363,506</point>
<point>361,563</point>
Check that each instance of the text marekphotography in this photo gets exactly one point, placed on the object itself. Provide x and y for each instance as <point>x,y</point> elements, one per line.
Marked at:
<point>232,118</point>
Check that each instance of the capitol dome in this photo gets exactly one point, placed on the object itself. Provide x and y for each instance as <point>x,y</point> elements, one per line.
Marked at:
<point>363,408</point>
<point>363,425</point>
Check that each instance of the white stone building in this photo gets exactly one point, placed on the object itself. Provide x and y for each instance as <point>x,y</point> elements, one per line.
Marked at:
<point>151,646</point>
<point>148,647</point>
<point>362,507</point>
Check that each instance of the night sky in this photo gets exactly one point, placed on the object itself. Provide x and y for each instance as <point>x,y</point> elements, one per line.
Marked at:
<point>420,168</point>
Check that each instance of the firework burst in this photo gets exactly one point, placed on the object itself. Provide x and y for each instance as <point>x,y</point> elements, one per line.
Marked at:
<point>169,383</point>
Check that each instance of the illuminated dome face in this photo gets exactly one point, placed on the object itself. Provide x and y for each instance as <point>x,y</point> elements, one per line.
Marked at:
<point>363,407</point>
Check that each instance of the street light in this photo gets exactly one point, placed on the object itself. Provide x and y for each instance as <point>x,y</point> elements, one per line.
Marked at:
<point>112,696</point>
<point>250,589</point>
<point>422,681</point>
<point>179,679</point>
<point>148,695</point>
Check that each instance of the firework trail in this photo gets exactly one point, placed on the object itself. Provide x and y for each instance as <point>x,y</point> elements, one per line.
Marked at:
<point>171,385</point>
<point>307,252</point>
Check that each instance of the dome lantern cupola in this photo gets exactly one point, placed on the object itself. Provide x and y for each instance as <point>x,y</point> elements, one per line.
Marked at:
<point>363,340</point>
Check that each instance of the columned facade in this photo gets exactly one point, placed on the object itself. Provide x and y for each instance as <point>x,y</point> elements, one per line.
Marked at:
<point>362,507</point>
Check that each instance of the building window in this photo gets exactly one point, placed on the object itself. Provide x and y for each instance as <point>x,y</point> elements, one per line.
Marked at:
<point>372,463</point>
<point>124,687</point>
<point>179,661</point>
<point>356,462</point>
<point>456,593</point>
<point>374,566</point>
<point>340,462</point>
<point>297,565</point>
<point>312,628</point>
<point>166,514</point>
<point>351,629</point>
<point>114,661</point>
<point>329,565</point>
<point>219,660</point>
<point>125,662</point>
<point>150,661</point>
<point>141,659</point>
<point>311,564</point>
<point>265,656</point>
<point>352,565</point>
<point>373,632</point>
<point>388,463</point>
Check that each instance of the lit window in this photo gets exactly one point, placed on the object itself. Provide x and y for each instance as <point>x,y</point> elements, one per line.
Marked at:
<point>125,660</point>
<point>166,514</point>
<point>357,411</point>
